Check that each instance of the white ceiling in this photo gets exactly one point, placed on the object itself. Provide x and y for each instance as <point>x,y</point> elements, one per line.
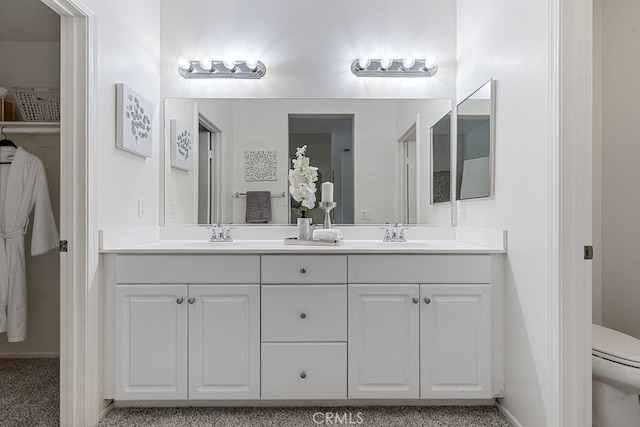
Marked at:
<point>28,20</point>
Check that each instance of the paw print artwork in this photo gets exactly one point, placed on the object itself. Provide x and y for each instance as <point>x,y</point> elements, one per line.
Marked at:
<point>183,141</point>
<point>139,120</point>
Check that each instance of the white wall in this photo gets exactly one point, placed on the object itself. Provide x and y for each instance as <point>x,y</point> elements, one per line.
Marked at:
<point>509,41</point>
<point>128,52</point>
<point>620,205</point>
<point>308,47</point>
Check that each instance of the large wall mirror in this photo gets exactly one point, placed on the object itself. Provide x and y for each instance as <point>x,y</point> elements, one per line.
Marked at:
<point>376,151</point>
<point>475,144</point>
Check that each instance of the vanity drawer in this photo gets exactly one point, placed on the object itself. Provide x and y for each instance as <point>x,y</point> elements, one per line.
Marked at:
<point>301,371</point>
<point>419,269</point>
<point>188,269</point>
<point>304,269</point>
<point>304,313</point>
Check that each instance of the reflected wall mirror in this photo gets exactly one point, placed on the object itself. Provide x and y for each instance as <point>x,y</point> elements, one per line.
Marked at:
<point>475,144</point>
<point>246,145</point>
<point>441,160</point>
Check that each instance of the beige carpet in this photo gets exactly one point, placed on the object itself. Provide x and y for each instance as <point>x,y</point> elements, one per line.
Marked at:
<point>29,392</point>
<point>450,416</point>
<point>29,397</point>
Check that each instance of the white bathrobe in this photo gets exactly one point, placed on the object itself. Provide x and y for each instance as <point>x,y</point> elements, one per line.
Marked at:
<point>24,188</point>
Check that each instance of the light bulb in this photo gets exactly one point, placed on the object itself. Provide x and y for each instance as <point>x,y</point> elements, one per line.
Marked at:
<point>184,64</point>
<point>252,64</point>
<point>408,62</point>
<point>230,64</point>
<point>430,63</point>
<point>363,63</point>
<point>207,64</point>
<point>385,63</point>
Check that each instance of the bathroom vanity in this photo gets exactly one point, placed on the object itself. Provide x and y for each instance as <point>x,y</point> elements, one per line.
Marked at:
<point>259,322</point>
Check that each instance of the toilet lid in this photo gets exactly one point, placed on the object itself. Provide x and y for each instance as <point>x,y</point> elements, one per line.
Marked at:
<point>615,346</point>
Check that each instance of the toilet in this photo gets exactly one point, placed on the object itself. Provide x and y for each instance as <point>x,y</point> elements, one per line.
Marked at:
<point>616,378</point>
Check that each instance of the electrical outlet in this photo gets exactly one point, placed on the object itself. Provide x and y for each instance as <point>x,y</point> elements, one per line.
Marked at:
<point>140,208</point>
<point>365,214</point>
<point>174,215</point>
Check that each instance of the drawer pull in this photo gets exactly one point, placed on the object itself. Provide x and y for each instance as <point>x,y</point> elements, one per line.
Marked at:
<point>179,300</point>
<point>303,270</point>
<point>427,300</point>
<point>191,300</point>
<point>415,300</point>
<point>303,374</point>
<point>303,315</point>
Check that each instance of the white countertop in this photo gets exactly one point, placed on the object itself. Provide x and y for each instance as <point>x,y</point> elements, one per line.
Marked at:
<point>454,241</point>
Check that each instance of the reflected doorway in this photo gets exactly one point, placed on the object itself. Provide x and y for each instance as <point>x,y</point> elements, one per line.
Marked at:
<point>209,172</point>
<point>329,141</point>
<point>409,199</point>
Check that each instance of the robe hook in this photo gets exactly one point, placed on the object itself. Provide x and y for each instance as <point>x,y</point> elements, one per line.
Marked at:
<point>4,135</point>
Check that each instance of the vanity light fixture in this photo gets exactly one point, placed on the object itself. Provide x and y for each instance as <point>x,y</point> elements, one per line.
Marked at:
<point>407,67</point>
<point>227,68</point>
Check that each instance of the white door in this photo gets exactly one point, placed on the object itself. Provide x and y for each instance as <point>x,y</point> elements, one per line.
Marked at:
<point>455,341</point>
<point>383,341</point>
<point>151,342</point>
<point>224,341</point>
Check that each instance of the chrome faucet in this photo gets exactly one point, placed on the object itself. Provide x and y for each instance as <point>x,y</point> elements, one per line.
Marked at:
<point>394,233</point>
<point>221,233</point>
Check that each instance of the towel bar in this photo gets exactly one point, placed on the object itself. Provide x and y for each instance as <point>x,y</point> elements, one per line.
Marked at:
<point>282,194</point>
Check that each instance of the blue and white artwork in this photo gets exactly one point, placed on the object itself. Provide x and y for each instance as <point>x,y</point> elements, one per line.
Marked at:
<point>181,145</point>
<point>133,121</point>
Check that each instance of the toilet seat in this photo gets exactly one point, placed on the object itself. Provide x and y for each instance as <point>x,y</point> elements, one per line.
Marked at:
<point>615,346</point>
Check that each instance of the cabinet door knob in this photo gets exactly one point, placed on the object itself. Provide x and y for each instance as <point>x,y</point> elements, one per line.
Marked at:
<point>191,300</point>
<point>303,315</point>
<point>415,300</point>
<point>427,300</point>
<point>179,300</point>
<point>303,270</point>
<point>303,374</point>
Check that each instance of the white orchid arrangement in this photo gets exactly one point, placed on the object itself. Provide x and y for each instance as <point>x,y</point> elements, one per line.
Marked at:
<point>302,180</point>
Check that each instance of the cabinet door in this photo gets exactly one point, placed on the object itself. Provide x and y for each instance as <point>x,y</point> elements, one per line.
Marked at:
<point>383,341</point>
<point>151,342</point>
<point>224,341</point>
<point>455,337</point>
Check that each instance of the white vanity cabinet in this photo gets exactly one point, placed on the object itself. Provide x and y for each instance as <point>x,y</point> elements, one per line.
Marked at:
<point>187,327</point>
<point>304,327</point>
<point>420,326</point>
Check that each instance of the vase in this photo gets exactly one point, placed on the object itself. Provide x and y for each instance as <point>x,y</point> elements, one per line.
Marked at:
<point>304,228</point>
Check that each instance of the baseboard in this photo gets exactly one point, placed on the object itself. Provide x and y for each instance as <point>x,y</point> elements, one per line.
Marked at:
<point>508,415</point>
<point>30,356</point>
<point>106,410</point>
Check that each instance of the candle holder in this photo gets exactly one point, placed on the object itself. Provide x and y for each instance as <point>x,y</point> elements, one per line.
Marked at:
<point>327,207</point>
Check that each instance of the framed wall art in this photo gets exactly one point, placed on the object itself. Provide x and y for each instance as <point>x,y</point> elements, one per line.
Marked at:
<point>261,165</point>
<point>181,145</point>
<point>133,121</point>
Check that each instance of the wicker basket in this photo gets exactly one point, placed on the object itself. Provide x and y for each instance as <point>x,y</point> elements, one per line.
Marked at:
<point>40,104</point>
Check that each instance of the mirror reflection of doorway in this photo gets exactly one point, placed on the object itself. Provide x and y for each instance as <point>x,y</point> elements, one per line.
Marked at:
<point>329,141</point>
<point>409,200</point>
<point>209,172</point>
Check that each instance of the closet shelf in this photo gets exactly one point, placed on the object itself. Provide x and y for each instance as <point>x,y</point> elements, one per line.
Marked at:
<point>29,127</point>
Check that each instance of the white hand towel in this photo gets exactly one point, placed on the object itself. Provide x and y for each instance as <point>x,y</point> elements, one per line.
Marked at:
<point>327,234</point>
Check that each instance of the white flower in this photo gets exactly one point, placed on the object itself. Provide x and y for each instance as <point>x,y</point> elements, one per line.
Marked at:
<point>302,179</point>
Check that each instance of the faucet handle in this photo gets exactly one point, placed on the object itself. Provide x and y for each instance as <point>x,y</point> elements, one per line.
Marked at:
<point>226,232</point>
